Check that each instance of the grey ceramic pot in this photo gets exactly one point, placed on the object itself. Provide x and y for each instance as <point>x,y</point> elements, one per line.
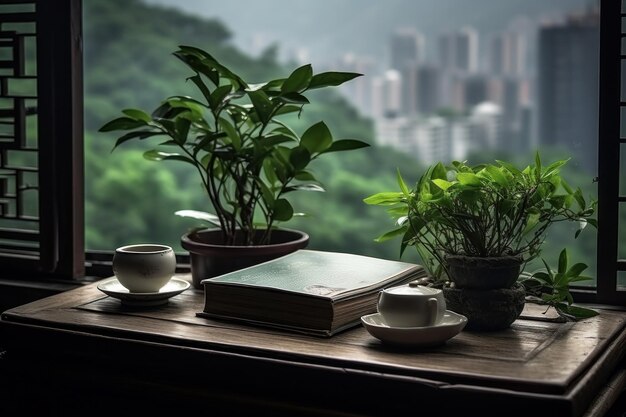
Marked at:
<point>483,273</point>
<point>487,310</point>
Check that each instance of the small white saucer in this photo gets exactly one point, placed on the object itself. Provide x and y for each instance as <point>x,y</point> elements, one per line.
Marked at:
<point>113,288</point>
<point>450,325</point>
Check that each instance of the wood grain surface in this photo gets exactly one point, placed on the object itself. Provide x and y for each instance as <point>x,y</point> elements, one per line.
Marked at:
<point>570,362</point>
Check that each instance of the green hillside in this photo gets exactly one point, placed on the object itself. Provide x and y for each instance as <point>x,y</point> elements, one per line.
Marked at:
<point>129,63</point>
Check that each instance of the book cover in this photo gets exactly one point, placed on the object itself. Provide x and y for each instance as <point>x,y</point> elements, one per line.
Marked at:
<point>318,274</point>
<point>307,291</point>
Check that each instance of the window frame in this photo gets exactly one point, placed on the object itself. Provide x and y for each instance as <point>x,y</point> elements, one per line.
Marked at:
<point>609,143</point>
<point>60,48</point>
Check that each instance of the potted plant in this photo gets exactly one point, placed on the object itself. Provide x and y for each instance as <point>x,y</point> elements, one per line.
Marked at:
<point>247,157</point>
<point>476,226</point>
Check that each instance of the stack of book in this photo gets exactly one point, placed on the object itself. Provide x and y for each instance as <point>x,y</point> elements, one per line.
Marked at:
<point>307,291</point>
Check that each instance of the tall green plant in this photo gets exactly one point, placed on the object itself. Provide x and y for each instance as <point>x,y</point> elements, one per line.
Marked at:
<point>247,158</point>
<point>486,210</point>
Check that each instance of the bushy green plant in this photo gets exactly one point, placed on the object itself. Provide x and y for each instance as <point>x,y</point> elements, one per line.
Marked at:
<point>247,158</point>
<point>486,210</point>
<point>551,287</point>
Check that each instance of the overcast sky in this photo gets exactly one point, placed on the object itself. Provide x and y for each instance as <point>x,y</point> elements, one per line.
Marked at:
<point>327,29</point>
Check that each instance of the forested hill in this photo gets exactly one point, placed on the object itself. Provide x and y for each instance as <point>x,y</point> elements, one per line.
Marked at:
<point>129,63</point>
<point>128,54</point>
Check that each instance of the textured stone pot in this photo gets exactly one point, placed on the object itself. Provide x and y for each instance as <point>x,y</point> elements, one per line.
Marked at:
<point>487,310</point>
<point>483,273</point>
<point>210,258</point>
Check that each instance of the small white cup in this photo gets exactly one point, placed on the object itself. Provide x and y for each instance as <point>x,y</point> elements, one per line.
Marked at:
<point>145,267</point>
<point>411,306</point>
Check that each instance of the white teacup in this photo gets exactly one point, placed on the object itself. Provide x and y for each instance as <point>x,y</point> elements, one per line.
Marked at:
<point>145,267</point>
<point>411,306</point>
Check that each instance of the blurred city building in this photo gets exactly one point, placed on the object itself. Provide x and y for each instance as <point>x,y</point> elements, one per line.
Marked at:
<point>567,89</point>
<point>526,87</point>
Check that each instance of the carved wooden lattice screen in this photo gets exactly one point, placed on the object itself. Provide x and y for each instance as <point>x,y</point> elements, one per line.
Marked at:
<point>41,137</point>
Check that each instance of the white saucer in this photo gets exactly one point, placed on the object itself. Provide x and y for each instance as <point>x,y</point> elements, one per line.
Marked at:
<point>450,325</point>
<point>113,288</point>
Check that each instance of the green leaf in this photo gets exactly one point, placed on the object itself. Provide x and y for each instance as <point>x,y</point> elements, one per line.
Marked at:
<point>287,109</point>
<point>136,135</point>
<point>155,155</point>
<point>122,123</point>
<point>305,176</point>
<point>209,62</point>
<point>262,104</point>
<point>537,166</point>
<point>575,270</point>
<point>299,157</point>
<point>328,79</point>
<point>543,277</point>
<point>467,178</point>
<point>566,187</point>
<point>317,138</point>
<point>553,168</point>
<point>283,210</point>
<point>305,187</point>
<point>439,171</point>
<point>218,95</point>
<point>402,184</point>
<point>531,222</point>
<point>284,129</point>
<point>293,98</point>
<point>199,82</point>
<point>346,145</point>
<point>576,312</point>
<point>391,234</point>
<point>443,184</point>
<point>578,195</point>
<point>137,115</point>
<point>199,215</point>
<point>497,175</point>
<point>269,142</point>
<point>298,80</point>
<point>563,261</point>
<point>267,194</point>
<point>182,130</point>
<point>579,278</point>
<point>383,199</point>
<point>167,111</point>
<point>230,132</point>
<point>510,167</point>
<point>270,174</point>
<point>548,271</point>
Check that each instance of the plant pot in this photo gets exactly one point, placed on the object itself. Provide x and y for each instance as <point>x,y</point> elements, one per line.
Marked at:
<point>487,310</point>
<point>483,273</point>
<point>210,258</point>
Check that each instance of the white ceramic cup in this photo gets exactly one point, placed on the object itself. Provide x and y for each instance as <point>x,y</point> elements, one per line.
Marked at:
<point>411,306</point>
<point>145,267</point>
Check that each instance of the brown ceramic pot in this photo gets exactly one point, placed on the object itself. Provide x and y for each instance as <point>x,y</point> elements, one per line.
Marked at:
<point>210,258</point>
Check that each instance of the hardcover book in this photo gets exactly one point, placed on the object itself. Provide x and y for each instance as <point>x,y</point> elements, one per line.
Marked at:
<point>307,291</point>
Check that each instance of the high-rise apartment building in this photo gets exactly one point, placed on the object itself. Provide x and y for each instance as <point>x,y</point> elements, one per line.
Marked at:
<point>358,90</point>
<point>458,51</point>
<point>508,55</point>
<point>407,49</point>
<point>407,52</point>
<point>466,50</point>
<point>568,87</point>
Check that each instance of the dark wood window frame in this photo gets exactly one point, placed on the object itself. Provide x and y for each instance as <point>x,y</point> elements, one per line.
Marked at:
<point>58,244</point>
<point>60,90</point>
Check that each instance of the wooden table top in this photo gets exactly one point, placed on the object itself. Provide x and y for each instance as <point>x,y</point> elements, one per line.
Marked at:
<point>568,363</point>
